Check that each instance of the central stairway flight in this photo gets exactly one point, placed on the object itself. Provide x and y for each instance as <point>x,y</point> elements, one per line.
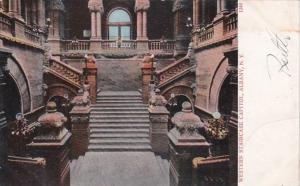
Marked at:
<point>119,122</point>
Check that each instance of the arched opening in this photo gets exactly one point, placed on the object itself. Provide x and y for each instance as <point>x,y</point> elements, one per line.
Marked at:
<point>226,97</point>
<point>175,103</point>
<point>119,25</point>
<point>12,101</point>
<point>63,106</point>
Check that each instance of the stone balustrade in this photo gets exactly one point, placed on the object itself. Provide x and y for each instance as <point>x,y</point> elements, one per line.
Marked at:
<point>161,45</point>
<point>18,31</point>
<point>75,45</point>
<point>66,71</point>
<point>221,29</point>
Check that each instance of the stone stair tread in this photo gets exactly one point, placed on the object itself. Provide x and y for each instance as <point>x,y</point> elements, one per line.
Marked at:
<point>141,116</point>
<point>136,140</point>
<point>118,101</point>
<point>138,120</point>
<point>119,130</point>
<point>119,147</point>
<point>119,105</point>
<point>119,93</point>
<point>118,135</point>
<point>118,112</point>
<point>119,98</point>
<point>119,126</point>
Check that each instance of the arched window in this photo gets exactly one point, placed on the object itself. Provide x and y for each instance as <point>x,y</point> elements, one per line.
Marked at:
<point>119,25</point>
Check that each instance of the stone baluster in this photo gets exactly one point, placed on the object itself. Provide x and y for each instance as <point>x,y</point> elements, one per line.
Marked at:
<point>159,116</point>
<point>90,71</point>
<point>4,54</point>
<point>80,115</point>
<point>186,143</point>
<point>52,144</point>
<point>147,76</point>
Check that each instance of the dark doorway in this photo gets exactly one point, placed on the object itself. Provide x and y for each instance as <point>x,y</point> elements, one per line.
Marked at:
<point>12,99</point>
<point>227,97</point>
<point>175,104</point>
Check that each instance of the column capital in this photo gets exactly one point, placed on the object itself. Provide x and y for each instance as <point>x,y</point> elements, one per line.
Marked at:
<point>179,4</point>
<point>142,5</point>
<point>96,6</point>
<point>57,5</point>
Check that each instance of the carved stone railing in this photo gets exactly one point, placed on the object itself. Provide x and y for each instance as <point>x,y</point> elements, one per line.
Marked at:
<point>118,44</point>
<point>5,23</point>
<point>222,28</point>
<point>66,72</point>
<point>158,45</point>
<point>71,45</point>
<point>173,70</point>
<point>32,35</point>
<point>230,22</point>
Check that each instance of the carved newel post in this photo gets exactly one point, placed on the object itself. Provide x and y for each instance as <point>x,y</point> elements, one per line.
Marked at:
<point>159,116</point>
<point>80,115</point>
<point>52,144</point>
<point>186,143</point>
<point>90,72</point>
<point>147,75</point>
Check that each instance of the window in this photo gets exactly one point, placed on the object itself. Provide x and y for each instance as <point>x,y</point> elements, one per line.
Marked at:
<point>119,25</point>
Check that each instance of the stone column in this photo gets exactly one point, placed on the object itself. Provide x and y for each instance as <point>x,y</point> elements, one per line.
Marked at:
<point>96,8</point>
<point>41,12</point>
<point>4,54</point>
<point>159,117</point>
<point>196,13</point>
<point>181,35</point>
<point>145,36</point>
<point>139,25</point>
<point>186,143</point>
<point>52,144</point>
<point>90,72</point>
<point>34,12</point>
<point>80,115</point>
<point>14,8</point>
<point>147,72</point>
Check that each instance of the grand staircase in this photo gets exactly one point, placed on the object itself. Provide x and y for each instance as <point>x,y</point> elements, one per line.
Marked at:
<point>119,122</point>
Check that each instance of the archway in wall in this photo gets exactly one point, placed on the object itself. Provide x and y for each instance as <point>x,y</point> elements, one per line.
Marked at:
<point>12,101</point>
<point>226,98</point>
<point>175,104</point>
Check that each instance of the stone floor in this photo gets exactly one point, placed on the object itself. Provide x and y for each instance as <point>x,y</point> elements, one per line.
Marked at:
<point>119,169</point>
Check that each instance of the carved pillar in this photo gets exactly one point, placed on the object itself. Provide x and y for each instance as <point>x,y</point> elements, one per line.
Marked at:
<point>186,143</point>
<point>90,71</point>
<point>159,117</point>
<point>147,72</point>
<point>145,36</point>
<point>196,13</point>
<point>96,8</point>
<point>15,8</point>
<point>141,8</point>
<point>139,25</point>
<point>52,144</point>
<point>181,34</point>
<point>4,54</point>
<point>34,10</point>
<point>80,115</point>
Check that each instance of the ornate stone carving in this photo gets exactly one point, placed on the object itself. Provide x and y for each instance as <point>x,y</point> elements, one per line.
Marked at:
<point>142,5</point>
<point>157,99</point>
<point>96,5</point>
<point>187,123</point>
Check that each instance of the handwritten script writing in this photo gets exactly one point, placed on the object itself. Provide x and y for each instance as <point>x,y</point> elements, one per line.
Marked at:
<point>280,55</point>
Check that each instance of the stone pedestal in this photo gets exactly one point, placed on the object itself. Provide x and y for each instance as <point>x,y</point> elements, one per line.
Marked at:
<point>159,116</point>
<point>52,144</point>
<point>95,45</point>
<point>147,75</point>
<point>80,115</point>
<point>90,71</point>
<point>4,54</point>
<point>186,143</point>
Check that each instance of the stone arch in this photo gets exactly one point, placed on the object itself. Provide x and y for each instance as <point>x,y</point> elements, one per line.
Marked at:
<point>216,84</point>
<point>60,90</point>
<point>22,82</point>
<point>179,90</point>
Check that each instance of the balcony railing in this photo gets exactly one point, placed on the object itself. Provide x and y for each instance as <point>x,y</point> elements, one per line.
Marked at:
<point>21,33</point>
<point>217,31</point>
<point>5,24</point>
<point>118,44</point>
<point>71,45</point>
<point>161,45</point>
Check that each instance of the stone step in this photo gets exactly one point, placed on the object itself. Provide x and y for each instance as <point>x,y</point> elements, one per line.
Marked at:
<point>94,147</point>
<point>119,131</point>
<point>121,109</point>
<point>133,116</point>
<point>118,101</point>
<point>118,98</point>
<point>118,112</point>
<point>118,136</point>
<point>118,93</point>
<point>97,105</point>
<point>101,120</point>
<point>120,141</point>
<point>119,126</point>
